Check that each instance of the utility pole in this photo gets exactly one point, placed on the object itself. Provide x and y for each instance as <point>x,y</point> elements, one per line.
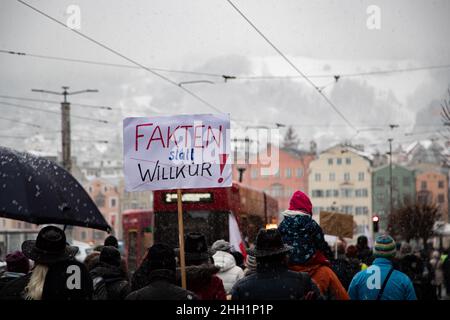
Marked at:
<point>391,201</point>
<point>65,123</point>
<point>66,136</point>
<point>391,195</point>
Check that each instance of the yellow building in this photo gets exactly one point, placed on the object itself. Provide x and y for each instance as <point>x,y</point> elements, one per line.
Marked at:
<point>340,180</point>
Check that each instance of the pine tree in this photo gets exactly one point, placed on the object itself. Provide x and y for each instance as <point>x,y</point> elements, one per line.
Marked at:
<point>291,140</point>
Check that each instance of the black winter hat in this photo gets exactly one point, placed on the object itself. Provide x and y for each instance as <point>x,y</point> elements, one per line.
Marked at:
<point>111,241</point>
<point>110,255</point>
<point>195,247</point>
<point>49,247</point>
<point>269,243</point>
<point>161,256</point>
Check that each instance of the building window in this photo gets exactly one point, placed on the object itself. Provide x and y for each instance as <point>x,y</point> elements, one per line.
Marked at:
<point>347,176</point>
<point>361,228</point>
<point>332,176</point>
<point>380,181</point>
<point>359,211</point>
<point>361,176</point>
<point>317,193</point>
<point>277,190</point>
<point>83,235</point>
<point>105,188</point>
<point>330,161</point>
<point>339,161</point>
<point>423,185</point>
<point>254,173</point>
<point>288,172</point>
<point>361,193</point>
<point>277,174</point>
<point>299,172</point>
<point>348,160</point>
<point>346,193</point>
<point>380,197</point>
<point>423,197</point>
<point>395,182</point>
<point>317,177</point>
<point>113,202</point>
<point>347,209</point>
<point>336,193</point>
<point>406,181</point>
<point>440,198</point>
<point>329,193</point>
<point>441,184</point>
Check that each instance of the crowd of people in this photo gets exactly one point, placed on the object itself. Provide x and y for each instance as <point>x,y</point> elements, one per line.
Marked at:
<point>291,262</point>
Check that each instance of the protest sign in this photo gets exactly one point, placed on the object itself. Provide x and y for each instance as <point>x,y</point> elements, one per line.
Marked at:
<point>336,224</point>
<point>177,152</point>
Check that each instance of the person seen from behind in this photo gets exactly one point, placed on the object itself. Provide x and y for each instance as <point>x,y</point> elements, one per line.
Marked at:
<point>300,231</point>
<point>381,281</point>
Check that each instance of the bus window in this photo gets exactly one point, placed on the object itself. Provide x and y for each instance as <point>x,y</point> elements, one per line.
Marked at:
<point>214,225</point>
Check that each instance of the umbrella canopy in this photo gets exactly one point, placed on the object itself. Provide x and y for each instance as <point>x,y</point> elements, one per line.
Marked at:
<point>37,190</point>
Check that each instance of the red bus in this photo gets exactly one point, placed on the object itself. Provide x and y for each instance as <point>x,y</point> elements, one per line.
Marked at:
<point>207,210</point>
<point>137,235</point>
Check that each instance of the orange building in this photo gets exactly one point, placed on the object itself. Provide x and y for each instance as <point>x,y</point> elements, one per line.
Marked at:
<point>292,174</point>
<point>432,187</point>
<point>106,197</point>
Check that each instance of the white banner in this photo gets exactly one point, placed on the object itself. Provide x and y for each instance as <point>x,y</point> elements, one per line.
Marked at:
<point>177,152</point>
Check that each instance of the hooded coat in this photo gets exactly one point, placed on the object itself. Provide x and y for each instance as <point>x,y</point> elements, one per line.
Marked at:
<point>203,281</point>
<point>229,272</point>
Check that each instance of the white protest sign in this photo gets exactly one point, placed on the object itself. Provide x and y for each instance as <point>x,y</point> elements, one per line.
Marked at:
<point>177,152</point>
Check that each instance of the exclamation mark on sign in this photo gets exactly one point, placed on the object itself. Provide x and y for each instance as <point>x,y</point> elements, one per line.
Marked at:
<point>223,161</point>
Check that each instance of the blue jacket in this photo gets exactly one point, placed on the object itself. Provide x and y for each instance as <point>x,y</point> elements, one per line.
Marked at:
<point>366,284</point>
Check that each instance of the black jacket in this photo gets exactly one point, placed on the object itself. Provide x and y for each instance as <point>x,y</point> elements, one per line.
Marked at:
<point>65,280</point>
<point>161,287</point>
<point>115,280</point>
<point>14,289</point>
<point>274,282</point>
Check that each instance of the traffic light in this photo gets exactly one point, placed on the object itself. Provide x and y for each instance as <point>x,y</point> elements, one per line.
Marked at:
<point>375,220</point>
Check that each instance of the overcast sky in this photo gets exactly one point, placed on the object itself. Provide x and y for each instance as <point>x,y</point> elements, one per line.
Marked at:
<point>320,37</point>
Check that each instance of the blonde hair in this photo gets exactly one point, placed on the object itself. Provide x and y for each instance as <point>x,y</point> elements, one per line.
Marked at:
<point>34,288</point>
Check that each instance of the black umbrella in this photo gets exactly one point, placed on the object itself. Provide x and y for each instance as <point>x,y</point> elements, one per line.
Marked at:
<point>39,191</point>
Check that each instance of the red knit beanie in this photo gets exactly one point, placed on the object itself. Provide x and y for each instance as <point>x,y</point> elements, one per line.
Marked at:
<point>17,262</point>
<point>300,202</point>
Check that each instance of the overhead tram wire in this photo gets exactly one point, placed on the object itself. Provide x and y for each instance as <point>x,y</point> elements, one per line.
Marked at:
<point>117,65</point>
<point>21,122</point>
<point>54,102</point>
<point>49,111</point>
<point>346,75</point>
<point>335,108</point>
<point>223,76</point>
<point>117,53</point>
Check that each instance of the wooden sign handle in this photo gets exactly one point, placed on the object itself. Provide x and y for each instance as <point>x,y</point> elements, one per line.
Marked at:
<point>181,239</point>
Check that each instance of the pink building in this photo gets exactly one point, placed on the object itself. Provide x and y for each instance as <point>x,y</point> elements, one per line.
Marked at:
<point>292,175</point>
<point>106,197</point>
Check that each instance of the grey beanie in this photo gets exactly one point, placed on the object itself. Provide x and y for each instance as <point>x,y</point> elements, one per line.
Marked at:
<point>221,245</point>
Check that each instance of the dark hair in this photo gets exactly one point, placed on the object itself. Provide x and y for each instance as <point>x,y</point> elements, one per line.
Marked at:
<point>111,241</point>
